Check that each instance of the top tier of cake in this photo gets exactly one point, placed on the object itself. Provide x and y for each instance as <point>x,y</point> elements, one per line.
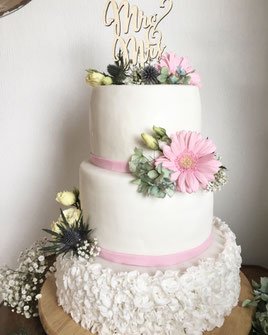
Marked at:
<point>119,116</point>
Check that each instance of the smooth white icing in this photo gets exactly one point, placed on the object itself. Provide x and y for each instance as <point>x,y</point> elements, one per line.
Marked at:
<point>128,222</point>
<point>112,299</point>
<point>119,114</point>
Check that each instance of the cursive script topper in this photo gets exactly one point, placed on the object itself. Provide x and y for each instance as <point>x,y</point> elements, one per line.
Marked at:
<point>123,17</point>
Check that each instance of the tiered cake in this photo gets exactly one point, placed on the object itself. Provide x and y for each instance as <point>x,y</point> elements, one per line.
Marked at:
<point>166,265</point>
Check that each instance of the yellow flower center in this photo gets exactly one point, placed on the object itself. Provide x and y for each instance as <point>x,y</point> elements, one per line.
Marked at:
<point>187,162</point>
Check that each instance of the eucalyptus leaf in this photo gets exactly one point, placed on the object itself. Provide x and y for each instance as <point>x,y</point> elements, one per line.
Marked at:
<point>162,79</point>
<point>152,174</point>
<point>150,180</point>
<point>264,285</point>
<point>255,284</point>
<point>136,181</point>
<point>165,71</point>
<point>260,301</point>
<point>132,167</point>
<point>159,168</point>
<point>246,303</point>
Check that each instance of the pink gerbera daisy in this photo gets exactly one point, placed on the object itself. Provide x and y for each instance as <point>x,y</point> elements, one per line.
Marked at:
<point>192,160</point>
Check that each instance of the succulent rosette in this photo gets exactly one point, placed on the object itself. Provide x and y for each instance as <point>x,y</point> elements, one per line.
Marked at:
<point>192,160</point>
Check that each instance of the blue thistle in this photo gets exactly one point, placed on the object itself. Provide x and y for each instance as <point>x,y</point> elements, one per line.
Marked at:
<point>70,237</point>
<point>149,75</point>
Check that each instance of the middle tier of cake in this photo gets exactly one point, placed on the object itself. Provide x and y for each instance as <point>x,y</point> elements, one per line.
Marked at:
<point>130,223</point>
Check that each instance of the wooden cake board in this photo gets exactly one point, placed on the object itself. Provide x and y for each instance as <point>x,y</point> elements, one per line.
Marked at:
<point>56,322</point>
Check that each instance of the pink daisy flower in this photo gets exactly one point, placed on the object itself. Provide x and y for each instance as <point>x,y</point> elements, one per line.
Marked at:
<point>172,62</point>
<point>192,160</point>
<point>169,60</point>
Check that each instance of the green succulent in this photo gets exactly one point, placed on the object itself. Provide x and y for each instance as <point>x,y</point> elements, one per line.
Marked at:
<point>152,181</point>
<point>260,301</point>
<point>70,237</point>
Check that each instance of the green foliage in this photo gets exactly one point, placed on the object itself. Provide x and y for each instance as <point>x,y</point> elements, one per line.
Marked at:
<point>260,301</point>
<point>152,181</point>
<point>70,237</point>
<point>118,71</point>
<point>76,192</point>
<point>163,77</point>
<point>179,78</point>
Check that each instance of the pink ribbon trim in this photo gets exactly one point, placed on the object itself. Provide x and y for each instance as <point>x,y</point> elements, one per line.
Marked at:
<point>109,164</point>
<point>153,261</point>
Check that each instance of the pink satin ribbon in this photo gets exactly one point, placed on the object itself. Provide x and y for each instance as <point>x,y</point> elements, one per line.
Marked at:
<point>153,261</point>
<point>109,164</point>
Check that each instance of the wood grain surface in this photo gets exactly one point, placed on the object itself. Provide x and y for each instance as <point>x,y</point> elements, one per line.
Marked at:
<point>56,322</point>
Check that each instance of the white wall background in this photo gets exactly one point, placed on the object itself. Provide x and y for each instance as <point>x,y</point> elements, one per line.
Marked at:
<point>44,49</point>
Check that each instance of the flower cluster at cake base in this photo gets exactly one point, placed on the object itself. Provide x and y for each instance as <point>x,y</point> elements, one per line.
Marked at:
<point>70,233</point>
<point>173,302</point>
<point>20,288</point>
<point>186,162</point>
<point>170,69</point>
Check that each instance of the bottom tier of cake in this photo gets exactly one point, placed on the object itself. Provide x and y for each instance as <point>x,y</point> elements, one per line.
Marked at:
<point>187,298</point>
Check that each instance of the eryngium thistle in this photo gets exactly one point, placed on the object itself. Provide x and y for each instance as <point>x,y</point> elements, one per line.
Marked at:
<point>69,238</point>
<point>113,70</point>
<point>149,75</point>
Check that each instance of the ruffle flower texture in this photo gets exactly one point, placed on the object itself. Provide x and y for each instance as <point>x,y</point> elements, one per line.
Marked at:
<point>172,62</point>
<point>171,302</point>
<point>192,160</point>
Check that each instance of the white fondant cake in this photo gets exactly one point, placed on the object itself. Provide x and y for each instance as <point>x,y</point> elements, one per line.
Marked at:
<point>192,295</point>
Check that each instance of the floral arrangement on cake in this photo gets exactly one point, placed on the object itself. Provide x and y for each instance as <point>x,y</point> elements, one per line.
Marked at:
<point>21,288</point>
<point>170,69</point>
<point>186,163</point>
<point>69,232</point>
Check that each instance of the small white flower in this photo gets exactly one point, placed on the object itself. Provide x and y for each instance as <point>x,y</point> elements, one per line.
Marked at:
<point>26,307</point>
<point>28,298</point>
<point>38,296</point>
<point>27,315</point>
<point>41,258</point>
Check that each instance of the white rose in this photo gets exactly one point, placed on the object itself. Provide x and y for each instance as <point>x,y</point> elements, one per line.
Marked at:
<point>66,198</point>
<point>72,215</point>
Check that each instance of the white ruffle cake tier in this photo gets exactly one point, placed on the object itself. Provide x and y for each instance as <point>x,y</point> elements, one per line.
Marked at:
<point>188,298</point>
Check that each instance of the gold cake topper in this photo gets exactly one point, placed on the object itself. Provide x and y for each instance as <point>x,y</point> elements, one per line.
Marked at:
<point>122,17</point>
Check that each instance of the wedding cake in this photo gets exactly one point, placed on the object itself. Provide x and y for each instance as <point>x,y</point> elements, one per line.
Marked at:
<point>166,266</point>
<point>158,262</point>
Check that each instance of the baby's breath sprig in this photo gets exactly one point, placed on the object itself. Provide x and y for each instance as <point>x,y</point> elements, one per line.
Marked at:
<point>20,288</point>
<point>220,179</point>
<point>88,250</point>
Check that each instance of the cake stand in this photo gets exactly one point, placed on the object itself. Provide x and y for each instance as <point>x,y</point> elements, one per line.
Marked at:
<point>56,322</point>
